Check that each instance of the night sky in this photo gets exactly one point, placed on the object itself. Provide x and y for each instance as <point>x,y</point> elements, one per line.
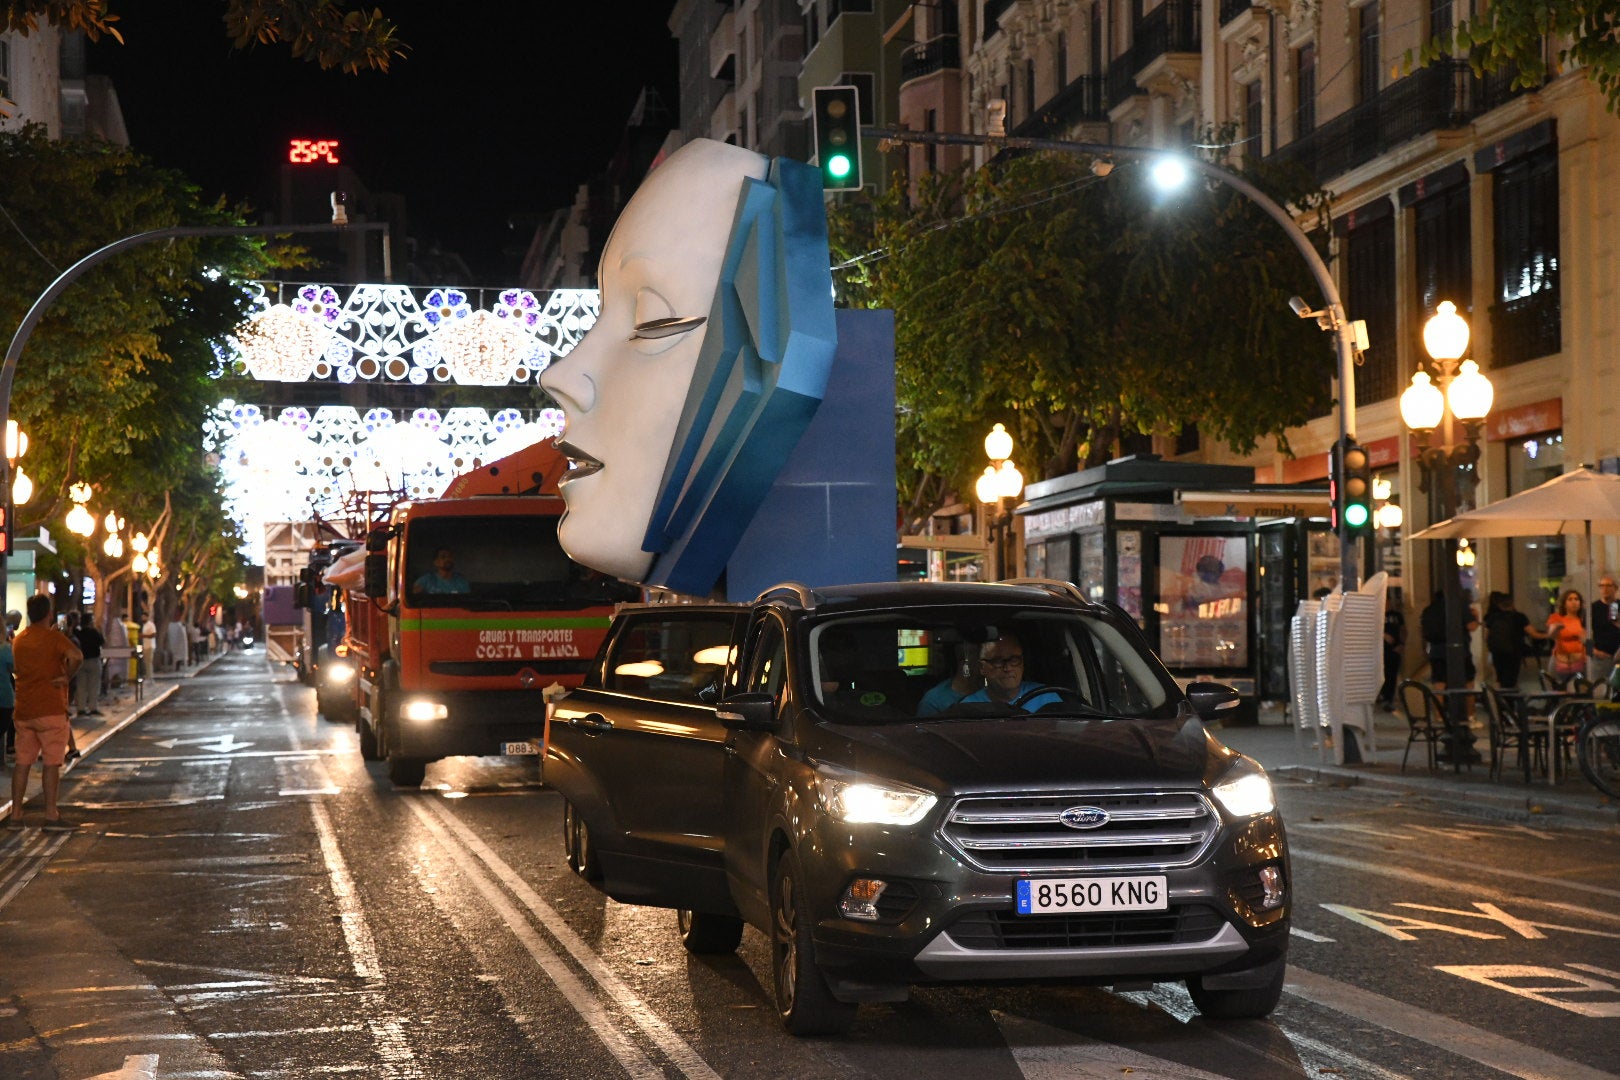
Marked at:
<point>501,107</point>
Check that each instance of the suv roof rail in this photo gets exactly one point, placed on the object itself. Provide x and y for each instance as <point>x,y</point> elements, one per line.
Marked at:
<point>1067,589</point>
<point>804,594</point>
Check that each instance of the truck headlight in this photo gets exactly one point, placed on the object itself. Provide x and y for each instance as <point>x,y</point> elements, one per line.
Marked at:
<point>857,799</point>
<point>339,671</point>
<point>423,711</point>
<point>1245,791</point>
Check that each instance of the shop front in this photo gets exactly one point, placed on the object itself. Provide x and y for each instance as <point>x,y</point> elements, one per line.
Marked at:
<point>1210,564</point>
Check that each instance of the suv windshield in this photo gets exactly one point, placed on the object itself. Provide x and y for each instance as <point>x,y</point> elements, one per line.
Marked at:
<point>934,664</point>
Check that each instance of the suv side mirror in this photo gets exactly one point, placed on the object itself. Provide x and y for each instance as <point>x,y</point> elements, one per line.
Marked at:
<point>748,712</point>
<point>1209,698</point>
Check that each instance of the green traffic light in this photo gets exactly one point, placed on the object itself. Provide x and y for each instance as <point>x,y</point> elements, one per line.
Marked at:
<point>838,166</point>
<point>1355,515</point>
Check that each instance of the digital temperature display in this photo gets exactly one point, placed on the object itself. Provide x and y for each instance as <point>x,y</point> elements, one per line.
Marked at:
<point>313,152</point>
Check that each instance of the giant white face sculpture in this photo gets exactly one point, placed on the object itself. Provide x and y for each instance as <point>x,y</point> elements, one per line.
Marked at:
<point>710,358</point>
<point>624,385</point>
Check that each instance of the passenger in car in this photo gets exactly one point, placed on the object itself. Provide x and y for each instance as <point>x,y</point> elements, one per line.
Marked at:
<point>1002,662</point>
<point>965,679</point>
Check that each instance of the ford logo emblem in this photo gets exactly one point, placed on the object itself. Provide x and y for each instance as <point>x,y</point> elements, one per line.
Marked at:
<point>1084,817</point>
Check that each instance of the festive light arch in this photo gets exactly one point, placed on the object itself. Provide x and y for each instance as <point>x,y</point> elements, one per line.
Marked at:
<point>291,464</point>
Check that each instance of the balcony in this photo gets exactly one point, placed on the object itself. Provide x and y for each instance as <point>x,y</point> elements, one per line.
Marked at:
<point>1526,328</point>
<point>1084,100</point>
<point>1231,9</point>
<point>1172,27</point>
<point>723,48</point>
<point>941,54</point>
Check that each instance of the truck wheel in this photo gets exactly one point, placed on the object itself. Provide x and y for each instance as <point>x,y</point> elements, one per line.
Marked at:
<point>1238,1003</point>
<point>577,845</point>
<point>803,999</point>
<point>407,771</point>
<point>707,934</point>
<point>369,750</point>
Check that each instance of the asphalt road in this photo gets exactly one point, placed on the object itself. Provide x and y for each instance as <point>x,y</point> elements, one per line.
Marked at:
<point>248,898</point>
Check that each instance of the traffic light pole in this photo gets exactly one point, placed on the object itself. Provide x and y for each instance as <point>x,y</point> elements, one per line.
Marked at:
<point>1331,318</point>
<point>25,329</point>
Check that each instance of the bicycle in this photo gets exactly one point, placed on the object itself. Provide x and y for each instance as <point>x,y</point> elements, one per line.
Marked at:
<point>1597,747</point>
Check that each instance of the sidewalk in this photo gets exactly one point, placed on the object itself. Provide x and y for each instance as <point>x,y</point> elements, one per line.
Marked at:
<point>120,709</point>
<point>1292,755</point>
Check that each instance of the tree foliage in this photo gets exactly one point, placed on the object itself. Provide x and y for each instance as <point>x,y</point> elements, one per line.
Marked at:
<point>325,32</point>
<point>1077,309</point>
<point>1513,34</point>
<point>114,383</point>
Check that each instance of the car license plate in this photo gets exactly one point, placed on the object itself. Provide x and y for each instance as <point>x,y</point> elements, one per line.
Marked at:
<point>1047,896</point>
<point>519,748</point>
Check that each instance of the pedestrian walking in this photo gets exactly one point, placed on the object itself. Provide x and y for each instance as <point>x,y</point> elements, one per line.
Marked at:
<point>1505,630</point>
<point>87,684</point>
<point>149,645</point>
<point>8,699</point>
<point>1605,631</point>
<point>46,661</point>
<point>1394,648</point>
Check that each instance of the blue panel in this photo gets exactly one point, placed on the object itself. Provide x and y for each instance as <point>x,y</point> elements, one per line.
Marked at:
<point>830,517</point>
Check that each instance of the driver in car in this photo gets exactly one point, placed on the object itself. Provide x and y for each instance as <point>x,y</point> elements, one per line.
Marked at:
<point>1002,663</point>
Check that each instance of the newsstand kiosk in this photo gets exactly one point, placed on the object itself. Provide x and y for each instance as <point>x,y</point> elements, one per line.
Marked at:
<point>1210,564</point>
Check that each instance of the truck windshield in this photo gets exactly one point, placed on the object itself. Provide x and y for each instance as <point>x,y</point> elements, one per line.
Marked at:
<point>994,662</point>
<point>499,562</point>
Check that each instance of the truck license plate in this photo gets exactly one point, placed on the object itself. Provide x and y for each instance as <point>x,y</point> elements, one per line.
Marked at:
<point>1047,896</point>
<point>512,749</point>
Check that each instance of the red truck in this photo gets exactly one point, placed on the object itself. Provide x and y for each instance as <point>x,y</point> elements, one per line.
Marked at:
<point>467,612</point>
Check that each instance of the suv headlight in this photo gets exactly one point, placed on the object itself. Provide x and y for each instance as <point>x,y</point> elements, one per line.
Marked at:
<point>867,800</point>
<point>1245,791</point>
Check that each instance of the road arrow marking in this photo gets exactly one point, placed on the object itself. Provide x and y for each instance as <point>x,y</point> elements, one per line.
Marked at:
<point>136,1067</point>
<point>220,744</point>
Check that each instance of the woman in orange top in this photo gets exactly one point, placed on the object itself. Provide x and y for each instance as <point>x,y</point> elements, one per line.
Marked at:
<point>1567,628</point>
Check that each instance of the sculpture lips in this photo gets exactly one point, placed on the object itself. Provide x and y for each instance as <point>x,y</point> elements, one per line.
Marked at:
<point>580,464</point>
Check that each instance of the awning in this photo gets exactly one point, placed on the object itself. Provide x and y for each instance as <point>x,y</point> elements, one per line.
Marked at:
<point>1256,504</point>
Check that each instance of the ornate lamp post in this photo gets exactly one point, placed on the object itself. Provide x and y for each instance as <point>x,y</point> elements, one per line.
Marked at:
<point>1461,400</point>
<point>999,482</point>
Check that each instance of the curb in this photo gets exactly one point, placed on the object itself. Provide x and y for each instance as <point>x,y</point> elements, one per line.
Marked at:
<point>1532,806</point>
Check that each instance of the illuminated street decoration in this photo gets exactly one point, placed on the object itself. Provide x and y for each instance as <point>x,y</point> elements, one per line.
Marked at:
<point>386,333</point>
<point>296,465</point>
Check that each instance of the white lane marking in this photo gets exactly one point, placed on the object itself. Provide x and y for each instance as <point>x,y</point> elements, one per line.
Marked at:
<point>304,776</point>
<point>478,862</point>
<point>136,1067</point>
<point>1435,881</point>
<point>1548,985</point>
<point>35,852</point>
<point>329,1029</point>
<point>1043,1052</point>
<point>1307,935</point>
<point>1431,1028</point>
<point>356,931</point>
<point>329,752</point>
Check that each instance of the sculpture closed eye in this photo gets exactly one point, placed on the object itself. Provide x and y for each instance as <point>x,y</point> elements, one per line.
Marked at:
<point>663,328</point>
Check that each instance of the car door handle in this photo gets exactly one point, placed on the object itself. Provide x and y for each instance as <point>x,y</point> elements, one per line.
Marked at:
<point>591,722</point>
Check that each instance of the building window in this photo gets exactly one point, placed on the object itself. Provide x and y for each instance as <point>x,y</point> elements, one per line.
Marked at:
<point>1443,257</point>
<point>1029,87</point>
<point>1370,284</point>
<point>930,151</point>
<point>1367,53</point>
<point>847,7</point>
<point>865,84</point>
<point>1097,64</point>
<point>1061,59</point>
<point>1254,118</point>
<point>5,68</point>
<point>1537,565</point>
<point>1439,18</point>
<point>812,25</point>
<point>1527,321</point>
<point>1304,90</point>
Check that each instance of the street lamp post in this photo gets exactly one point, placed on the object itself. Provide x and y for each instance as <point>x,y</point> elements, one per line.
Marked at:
<point>1457,395</point>
<point>1331,318</point>
<point>999,482</point>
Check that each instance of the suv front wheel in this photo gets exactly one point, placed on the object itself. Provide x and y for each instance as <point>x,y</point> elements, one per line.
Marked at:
<point>803,1000</point>
<point>1238,1003</point>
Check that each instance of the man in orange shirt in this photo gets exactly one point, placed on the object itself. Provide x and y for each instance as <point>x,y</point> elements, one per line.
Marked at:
<point>46,662</point>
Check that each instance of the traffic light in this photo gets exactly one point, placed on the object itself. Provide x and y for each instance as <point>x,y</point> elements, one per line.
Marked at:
<point>1352,489</point>
<point>837,119</point>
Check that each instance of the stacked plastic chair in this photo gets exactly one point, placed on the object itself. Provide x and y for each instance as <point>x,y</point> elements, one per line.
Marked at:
<point>1350,662</point>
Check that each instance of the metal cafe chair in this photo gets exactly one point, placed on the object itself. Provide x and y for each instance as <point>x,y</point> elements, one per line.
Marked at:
<point>1425,718</point>
<point>1512,728</point>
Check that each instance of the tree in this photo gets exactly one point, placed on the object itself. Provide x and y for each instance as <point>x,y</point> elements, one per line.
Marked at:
<point>1511,34</point>
<point>115,382</point>
<point>321,31</point>
<point>1076,310</point>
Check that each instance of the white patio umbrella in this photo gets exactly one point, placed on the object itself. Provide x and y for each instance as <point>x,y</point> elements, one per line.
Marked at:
<point>1583,501</point>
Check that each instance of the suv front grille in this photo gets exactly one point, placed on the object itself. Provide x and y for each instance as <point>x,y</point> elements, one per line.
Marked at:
<point>1144,831</point>
<point>1122,929</point>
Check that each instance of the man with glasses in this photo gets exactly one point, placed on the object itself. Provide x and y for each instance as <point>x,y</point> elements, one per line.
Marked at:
<point>1002,663</point>
<point>1605,632</point>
